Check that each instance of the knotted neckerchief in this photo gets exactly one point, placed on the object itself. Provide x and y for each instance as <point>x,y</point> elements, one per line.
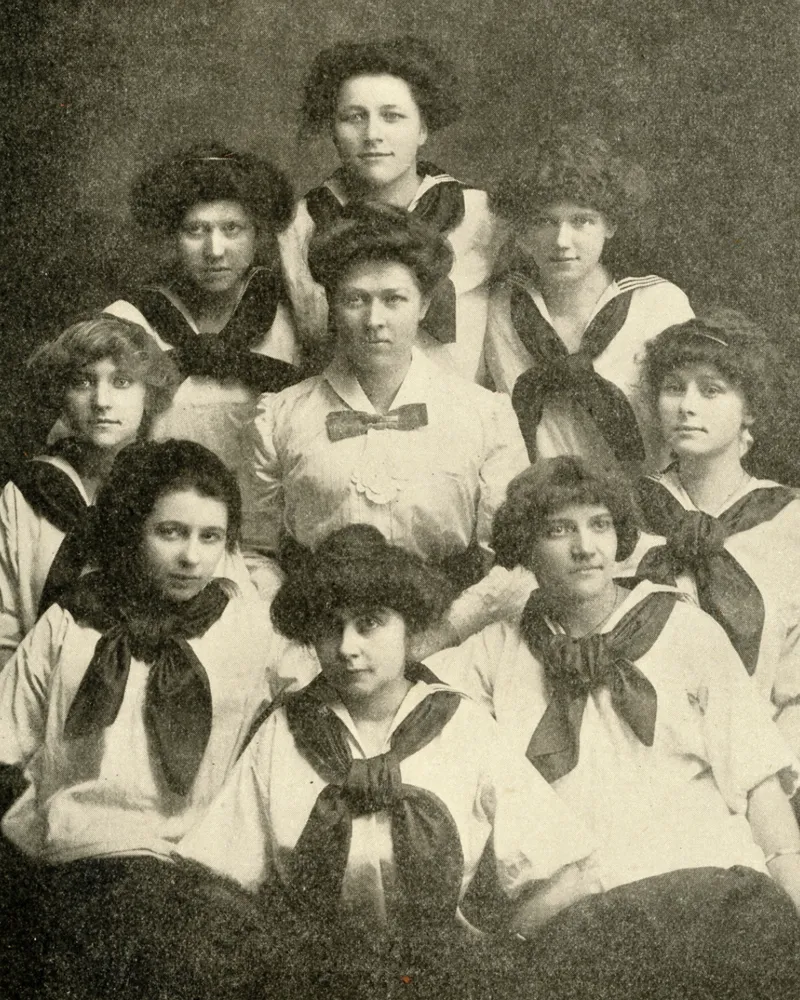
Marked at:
<point>427,848</point>
<point>442,208</point>
<point>52,495</point>
<point>177,707</point>
<point>227,354</point>
<point>574,668</point>
<point>696,544</point>
<point>343,424</point>
<point>555,370</point>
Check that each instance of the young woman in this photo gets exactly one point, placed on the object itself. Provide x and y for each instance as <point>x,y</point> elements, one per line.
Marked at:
<point>379,102</point>
<point>217,300</point>
<point>383,435</point>
<point>109,381</point>
<point>362,806</point>
<point>126,705</point>
<point>634,705</point>
<point>730,539</point>
<point>565,329</point>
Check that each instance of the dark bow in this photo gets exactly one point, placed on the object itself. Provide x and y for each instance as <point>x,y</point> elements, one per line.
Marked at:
<point>574,668</point>
<point>442,208</point>
<point>178,709</point>
<point>696,544</point>
<point>226,355</point>
<point>343,424</point>
<point>427,848</point>
<point>555,370</point>
<point>52,495</point>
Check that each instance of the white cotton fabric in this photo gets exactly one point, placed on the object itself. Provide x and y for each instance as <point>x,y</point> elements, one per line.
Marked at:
<point>255,823</point>
<point>678,804</point>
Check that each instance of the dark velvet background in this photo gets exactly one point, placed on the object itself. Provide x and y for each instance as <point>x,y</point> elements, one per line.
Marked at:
<point>703,92</point>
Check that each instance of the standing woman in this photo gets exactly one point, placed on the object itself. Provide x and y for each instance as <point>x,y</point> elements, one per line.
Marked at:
<point>384,436</point>
<point>379,101</point>
<point>729,538</point>
<point>109,381</point>
<point>566,330</point>
<point>217,300</point>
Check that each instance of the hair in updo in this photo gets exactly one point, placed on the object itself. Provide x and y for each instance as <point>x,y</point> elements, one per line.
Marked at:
<point>163,193</point>
<point>55,365</point>
<point>141,474</point>
<point>544,489</point>
<point>356,568</point>
<point>381,233</point>
<point>572,164</point>
<point>739,349</point>
<point>429,75</point>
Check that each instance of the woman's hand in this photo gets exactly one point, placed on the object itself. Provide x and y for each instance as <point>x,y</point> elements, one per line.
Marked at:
<point>567,886</point>
<point>775,831</point>
<point>439,636</point>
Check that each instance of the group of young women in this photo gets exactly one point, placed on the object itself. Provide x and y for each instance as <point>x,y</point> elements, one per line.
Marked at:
<point>279,480</point>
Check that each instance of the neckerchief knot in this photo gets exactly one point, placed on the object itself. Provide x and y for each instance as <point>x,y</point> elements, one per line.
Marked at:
<point>695,542</point>
<point>576,667</point>
<point>373,784</point>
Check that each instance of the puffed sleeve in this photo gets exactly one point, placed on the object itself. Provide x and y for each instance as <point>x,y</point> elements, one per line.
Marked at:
<point>742,744</point>
<point>535,834</point>
<point>309,304</point>
<point>506,356</point>
<point>25,687</point>
<point>10,598</point>
<point>234,837</point>
<point>472,666</point>
<point>262,518</point>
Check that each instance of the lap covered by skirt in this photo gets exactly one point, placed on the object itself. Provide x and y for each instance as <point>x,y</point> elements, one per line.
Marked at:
<point>711,933</point>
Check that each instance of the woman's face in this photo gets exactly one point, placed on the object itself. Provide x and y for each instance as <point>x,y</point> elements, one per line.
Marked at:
<point>378,129</point>
<point>104,405</point>
<point>216,246</point>
<point>574,557</point>
<point>377,308</point>
<point>566,241</point>
<point>362,653</point>
<point>183,541</point>
<point>702,413</point>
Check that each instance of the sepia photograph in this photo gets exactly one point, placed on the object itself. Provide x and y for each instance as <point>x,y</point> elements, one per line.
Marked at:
<point>399,500</point>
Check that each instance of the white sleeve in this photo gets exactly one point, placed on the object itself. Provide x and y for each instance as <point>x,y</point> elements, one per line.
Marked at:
<point>10,598</point>
<point>234,837</point>
<point>25,687</point>
<point>500,596</point>
<point>471,667</point>
<point>309,304</point>
<point>505,457</point>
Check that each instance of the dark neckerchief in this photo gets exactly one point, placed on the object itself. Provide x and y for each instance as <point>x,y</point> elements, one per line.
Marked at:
<point>427,847</point>
<point>177,709</point>
<point>441,207</point>
<point>696,544</point>
<point>227,354</point>
<point>53,496</point>
<point>574,668</point>
<point>555,370</point>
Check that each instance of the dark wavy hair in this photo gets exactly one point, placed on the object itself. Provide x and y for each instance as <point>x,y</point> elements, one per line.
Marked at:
<point>163,193</point>
<point>53,366</point>
<point>356,568</point>
<point>142,473</point>
<point>726,339</point>
<point>430,76</point>
<point>572,164</point>
<point>544,489</point>
<point>371,232</point>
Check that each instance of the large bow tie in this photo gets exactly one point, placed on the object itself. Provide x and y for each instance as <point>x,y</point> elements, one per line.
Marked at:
<point>427,848</point>
<point>350,423</point>
<point>696,543</point>
<point>574,668</point>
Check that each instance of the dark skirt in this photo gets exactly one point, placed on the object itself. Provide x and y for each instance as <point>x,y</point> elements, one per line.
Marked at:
<point>711,933</point>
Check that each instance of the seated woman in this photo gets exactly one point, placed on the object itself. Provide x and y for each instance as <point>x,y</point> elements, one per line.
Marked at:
<point>383,435</point>
<point>379,101</point>
<point>109,381</point>
<point>126,704</point>
<point>217,302</point>
<point>362,806</point>
<point>634,705</point>
<point>565,329</point>
<point>728,538</point>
